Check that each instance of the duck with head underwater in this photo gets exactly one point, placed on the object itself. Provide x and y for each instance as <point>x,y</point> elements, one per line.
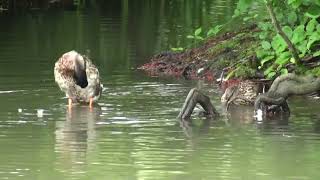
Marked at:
<point>78,77</point>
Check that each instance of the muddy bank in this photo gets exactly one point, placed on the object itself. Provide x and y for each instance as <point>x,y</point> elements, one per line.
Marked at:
<point>209,59</point>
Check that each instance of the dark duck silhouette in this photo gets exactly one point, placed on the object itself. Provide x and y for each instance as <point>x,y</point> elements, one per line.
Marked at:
<point>78,77</point>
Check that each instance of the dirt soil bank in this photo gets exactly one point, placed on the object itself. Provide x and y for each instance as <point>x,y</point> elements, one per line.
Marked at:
<point>209,59</point>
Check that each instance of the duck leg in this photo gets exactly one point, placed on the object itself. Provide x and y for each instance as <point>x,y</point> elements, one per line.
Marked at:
<point>91,103</point>
<point>70,103</point>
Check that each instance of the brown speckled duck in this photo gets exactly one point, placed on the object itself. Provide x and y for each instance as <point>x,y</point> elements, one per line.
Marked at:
<point>78,77</point>
<point>243,93</point>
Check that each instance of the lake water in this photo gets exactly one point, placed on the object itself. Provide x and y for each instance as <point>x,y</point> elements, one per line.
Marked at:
<point>133,133</point>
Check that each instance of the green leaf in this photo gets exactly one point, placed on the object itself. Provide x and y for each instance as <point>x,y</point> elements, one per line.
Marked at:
<point>302,47</point>
<point>268,70</point>
<point>278,44</point>
<point>177,49</point>
<point>306,2</point>
<point>266,59</point>
<point>261,53</point>
<point>292,17</point>
<point>316,54</point>
<point>247,18</point>
<point>236,13</point>
<point>311,26</point>
<point>271,74</point>
<point>199,38</point>
<point>284,71</point>
<point>214,31</point>
<point>313,11</point>
<point>265,45</point>
<point>288,31</point>
<point>243,5</point>
<point>298,34</point>
<point>280,15</point>
<point>263,35</point>
<point>197,31</point>
<point>295,3</point>
<point>265,26</point>
<point>293,60</point>
<point>291,1</point>
<point>314,37</point>
<point>283,58</point>
<point>190,37</point>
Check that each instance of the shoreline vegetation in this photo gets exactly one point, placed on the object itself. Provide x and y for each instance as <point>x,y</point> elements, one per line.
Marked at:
<point>265,47</point>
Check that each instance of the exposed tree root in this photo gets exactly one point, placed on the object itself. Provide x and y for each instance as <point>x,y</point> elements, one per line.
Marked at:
<point>194,97</point>
<point>283,87</point>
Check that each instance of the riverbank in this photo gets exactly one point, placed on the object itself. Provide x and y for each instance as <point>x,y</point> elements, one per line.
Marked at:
<point>207,61</point>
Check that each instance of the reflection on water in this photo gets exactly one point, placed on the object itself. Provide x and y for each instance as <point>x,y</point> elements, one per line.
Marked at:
<point>75,139</point>
<point>133,132</point>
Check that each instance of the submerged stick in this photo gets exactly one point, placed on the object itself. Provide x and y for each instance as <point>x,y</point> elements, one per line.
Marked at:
<point>194,97</point>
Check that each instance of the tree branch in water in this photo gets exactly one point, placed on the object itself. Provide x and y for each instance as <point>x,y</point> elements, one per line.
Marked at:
<point>285,86</point>
<point>194,97</point>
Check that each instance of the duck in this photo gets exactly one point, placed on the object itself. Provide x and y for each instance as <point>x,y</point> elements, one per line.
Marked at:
<point>78,77</point>
<point>243,93</point>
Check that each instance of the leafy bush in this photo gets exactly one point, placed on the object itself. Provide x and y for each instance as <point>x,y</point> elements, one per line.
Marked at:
<point>298,19</point>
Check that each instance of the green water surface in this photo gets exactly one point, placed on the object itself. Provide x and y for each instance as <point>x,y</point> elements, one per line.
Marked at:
<point>133,133</point>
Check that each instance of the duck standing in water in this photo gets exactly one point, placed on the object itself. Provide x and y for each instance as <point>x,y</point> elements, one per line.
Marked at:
<point>78,77</point>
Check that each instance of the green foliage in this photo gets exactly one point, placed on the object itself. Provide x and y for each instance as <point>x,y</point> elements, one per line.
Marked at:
<point>298,19</point>
<point>315,71</point>
<point>196,35</point>
<point>242,7</point>
<point>214,30</point>
<point>177,49</point>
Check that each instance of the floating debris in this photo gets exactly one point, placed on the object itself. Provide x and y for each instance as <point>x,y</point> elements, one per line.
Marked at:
<point>19,110</point>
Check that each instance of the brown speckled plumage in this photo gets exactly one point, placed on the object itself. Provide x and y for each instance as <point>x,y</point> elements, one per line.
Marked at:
<point>64,73</point>
<point>244,93</point>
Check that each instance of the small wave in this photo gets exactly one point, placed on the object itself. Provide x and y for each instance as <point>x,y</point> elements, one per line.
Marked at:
<point>12,91</point>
